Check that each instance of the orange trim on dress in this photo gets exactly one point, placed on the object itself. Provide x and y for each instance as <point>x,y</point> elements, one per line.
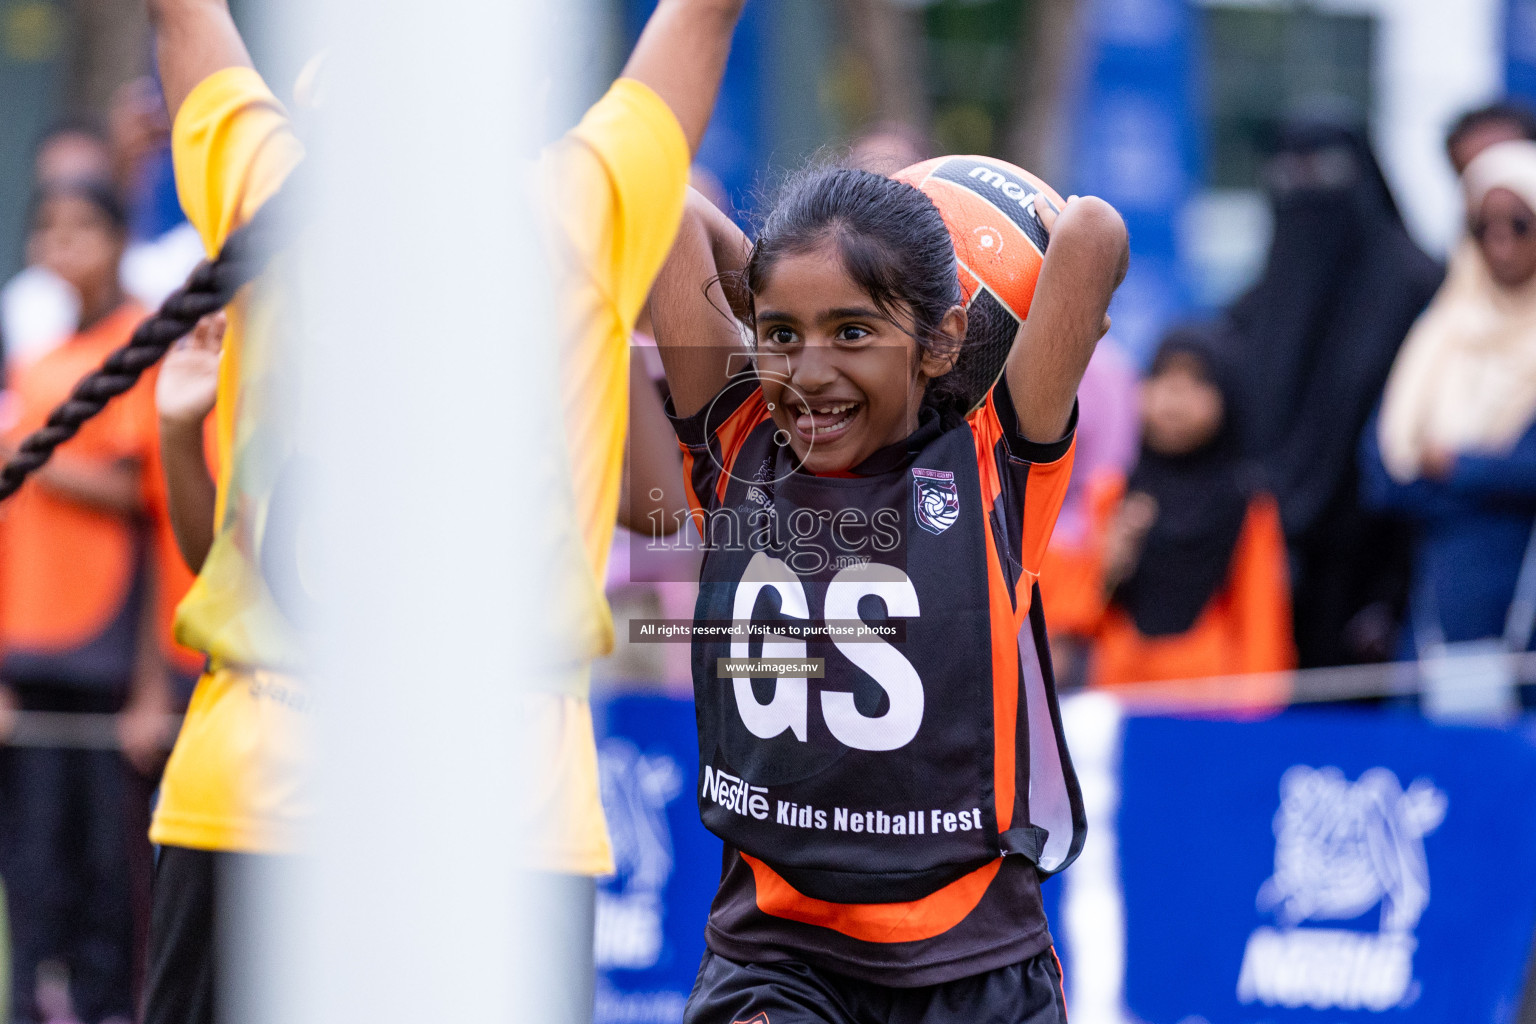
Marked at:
<point>932,915</point>
<point>733,434</point>
<point>1061,984</point>
<point>695,506</point>
<point>1004,629</point>
<point>1004,621</point>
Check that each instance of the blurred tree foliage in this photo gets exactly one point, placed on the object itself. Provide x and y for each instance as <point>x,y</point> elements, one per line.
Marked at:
<point>111,46</point>
<point>1261,65</point>
<point>975,59</point>
<point>881,77</point>
<point>975,76</point>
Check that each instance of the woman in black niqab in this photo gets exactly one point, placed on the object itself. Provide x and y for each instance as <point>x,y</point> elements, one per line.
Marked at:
<point>1315,339</point>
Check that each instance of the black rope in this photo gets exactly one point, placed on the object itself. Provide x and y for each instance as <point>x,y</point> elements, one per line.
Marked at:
<point>208,289</point>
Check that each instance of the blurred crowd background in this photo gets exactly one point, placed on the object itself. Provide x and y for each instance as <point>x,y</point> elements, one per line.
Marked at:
<point>1294,196</point>
<point>1307,442</point>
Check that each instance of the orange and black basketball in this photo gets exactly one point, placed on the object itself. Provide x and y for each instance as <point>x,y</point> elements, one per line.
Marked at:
<point>989,207</point>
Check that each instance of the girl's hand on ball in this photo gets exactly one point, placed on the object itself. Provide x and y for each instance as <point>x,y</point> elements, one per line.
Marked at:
<point>1048,216</point>
<point>1046,212</point>
<point>189,377</point>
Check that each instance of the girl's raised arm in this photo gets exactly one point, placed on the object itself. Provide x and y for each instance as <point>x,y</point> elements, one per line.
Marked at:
<point>1084,264</point>
<point>693,312</point>
<point>184,397</point>
<point>193,39</point>
<point>681,56</point>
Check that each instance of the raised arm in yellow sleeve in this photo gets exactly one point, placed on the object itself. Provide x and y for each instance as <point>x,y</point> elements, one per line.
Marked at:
<point>617,182</point>
<point>232,145</point>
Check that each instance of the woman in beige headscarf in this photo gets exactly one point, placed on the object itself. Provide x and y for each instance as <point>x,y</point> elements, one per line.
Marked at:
<point>1454,448</point>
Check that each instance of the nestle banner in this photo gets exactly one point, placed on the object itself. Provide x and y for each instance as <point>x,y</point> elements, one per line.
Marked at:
<point>651,914</point>
<point>1137,143</point>
<point>738,135</point>
<point>1520,48</point>
<point>1319,867</point>
<point>1325,865</point>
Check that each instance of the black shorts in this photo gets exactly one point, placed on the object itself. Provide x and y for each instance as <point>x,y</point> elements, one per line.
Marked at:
<point>209,961</point>
<point>179,984</point>
<point>790,992</point>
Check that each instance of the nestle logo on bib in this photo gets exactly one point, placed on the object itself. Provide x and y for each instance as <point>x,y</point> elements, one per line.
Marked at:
<point>935,499</point>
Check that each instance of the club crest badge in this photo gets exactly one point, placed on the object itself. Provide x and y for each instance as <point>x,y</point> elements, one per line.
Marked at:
<point>935,499</point>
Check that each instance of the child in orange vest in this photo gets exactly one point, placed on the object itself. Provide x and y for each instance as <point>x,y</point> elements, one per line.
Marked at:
<point>1192,567</point>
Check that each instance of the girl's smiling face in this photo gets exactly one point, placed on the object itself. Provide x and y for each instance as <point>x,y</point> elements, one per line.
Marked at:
<point>842,378</point>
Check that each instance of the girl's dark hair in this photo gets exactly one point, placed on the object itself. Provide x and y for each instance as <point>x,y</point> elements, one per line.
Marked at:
<point>99,194</point>
<point>892,243</point>
<point>209,288</point>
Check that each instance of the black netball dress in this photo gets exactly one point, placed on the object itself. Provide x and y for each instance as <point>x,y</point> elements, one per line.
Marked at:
<point>880,746</point>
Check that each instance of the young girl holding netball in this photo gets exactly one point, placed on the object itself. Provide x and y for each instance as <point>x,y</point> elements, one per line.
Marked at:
<point>879,744</point>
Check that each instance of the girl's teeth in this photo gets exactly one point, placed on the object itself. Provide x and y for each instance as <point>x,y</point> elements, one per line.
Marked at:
<point>814,421</point>
<point>812,428</point>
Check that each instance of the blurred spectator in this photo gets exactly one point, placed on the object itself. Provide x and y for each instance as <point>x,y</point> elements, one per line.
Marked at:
<point>888,148</point>
<point>1455,448</point>
<point>163,248</point>
<point>37,311</point>
<point>1476,130</point>
<point>73,151</point>
<point>38,308</point>
<point>139,130</point>
<point>1108,431</point>
<point>73,610</point>
<point>1192,562</point>
<point>1316,337</point>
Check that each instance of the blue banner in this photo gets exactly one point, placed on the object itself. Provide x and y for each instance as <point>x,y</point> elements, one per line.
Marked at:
<point>1136,144</point>
<point>736,145</point>
<point>1321,866</point>
<point>1326,866</point>
<point>1520,49</point>
<point>651,913</point>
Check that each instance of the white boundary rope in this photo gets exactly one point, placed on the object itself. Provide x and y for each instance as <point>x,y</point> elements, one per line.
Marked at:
<point>1273,690</point>
<point>76,731</point>
<point>1256,692</point>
